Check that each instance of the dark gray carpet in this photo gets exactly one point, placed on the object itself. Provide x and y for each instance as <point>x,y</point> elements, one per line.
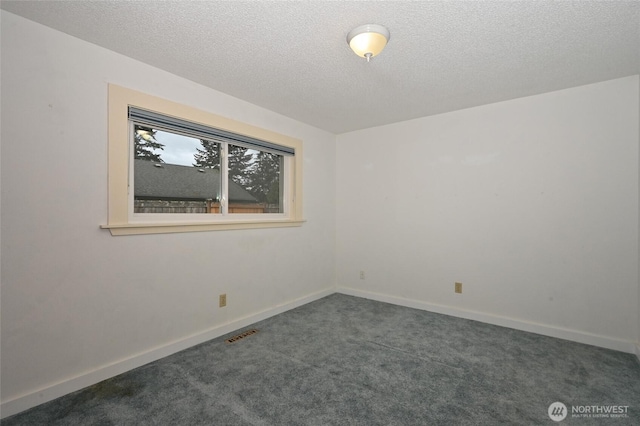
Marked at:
<point>349,361</point>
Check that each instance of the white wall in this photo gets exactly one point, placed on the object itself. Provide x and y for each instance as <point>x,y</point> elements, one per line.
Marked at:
<point>532,204</point>
<point>76,300</point>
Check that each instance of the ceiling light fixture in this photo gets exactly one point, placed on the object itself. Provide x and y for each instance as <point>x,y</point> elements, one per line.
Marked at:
<point>368,40</point>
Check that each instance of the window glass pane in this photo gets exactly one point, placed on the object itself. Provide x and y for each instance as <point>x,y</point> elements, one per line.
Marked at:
<point>175,173</point>
<point>260,174</point>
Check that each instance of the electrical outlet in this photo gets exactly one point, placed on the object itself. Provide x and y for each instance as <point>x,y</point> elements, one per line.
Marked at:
<point>362,275</point>
<point>458,288</point>
<point>223,300</point>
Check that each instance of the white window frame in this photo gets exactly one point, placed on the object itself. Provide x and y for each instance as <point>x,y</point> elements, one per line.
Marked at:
<point>122,220</point>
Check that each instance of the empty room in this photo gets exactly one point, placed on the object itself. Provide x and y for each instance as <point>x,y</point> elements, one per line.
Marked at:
<point>319,212</point>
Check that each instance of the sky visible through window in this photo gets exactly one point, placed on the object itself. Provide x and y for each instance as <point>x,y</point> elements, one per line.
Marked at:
<point>178,149</point>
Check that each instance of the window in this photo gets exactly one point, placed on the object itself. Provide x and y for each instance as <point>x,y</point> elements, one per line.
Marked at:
<point>173,168</point>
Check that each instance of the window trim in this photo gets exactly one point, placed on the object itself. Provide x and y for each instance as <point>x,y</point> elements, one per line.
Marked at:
<point>120,99</point>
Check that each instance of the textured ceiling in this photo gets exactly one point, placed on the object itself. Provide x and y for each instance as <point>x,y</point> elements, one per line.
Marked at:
<point>292,57</point>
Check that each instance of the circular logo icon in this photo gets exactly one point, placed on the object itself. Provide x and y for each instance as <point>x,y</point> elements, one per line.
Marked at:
<point>557,411</point>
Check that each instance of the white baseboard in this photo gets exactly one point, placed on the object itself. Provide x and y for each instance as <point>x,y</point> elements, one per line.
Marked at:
<point>32,399</point>
<point>543,329</point>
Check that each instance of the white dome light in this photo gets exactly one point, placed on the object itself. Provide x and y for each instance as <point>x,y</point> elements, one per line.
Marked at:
<point>368,40</point>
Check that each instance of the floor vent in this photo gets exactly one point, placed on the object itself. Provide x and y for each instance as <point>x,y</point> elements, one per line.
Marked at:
<point>241,335</point>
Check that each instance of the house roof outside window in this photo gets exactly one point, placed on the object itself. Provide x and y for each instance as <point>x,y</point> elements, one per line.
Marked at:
<point>162,181</point>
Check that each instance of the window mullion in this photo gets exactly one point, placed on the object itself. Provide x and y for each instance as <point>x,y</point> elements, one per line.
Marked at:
<point>224,177</point>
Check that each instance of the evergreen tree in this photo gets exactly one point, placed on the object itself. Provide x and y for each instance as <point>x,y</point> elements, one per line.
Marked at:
<point>146,145</point>
<point>240,160</point>
<point>208,156</point>
<point>264,179</point>
<point>273,196</point>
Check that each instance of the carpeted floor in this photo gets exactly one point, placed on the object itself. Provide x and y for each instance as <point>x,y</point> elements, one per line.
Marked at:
<point>348,361</point>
